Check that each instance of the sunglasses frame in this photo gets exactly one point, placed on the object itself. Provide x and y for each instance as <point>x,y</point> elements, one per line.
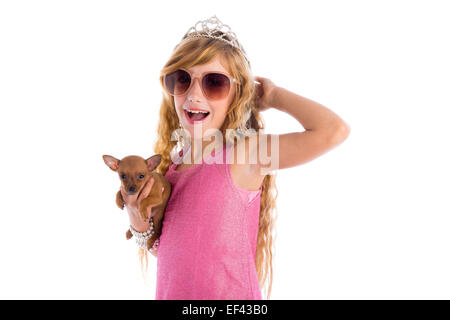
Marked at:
<point>200,79</point>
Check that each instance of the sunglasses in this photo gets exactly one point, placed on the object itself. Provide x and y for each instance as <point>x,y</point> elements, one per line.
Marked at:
<point>215,85</point>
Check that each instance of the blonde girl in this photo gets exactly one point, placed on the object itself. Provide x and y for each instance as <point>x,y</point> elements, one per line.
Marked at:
<point>217,235</point>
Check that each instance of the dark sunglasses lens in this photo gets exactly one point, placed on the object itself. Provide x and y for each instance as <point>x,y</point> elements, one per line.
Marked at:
<point>216,86</point>
<point>177,82</point>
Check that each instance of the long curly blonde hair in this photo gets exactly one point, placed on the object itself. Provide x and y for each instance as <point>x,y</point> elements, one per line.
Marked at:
<point>242,115</point>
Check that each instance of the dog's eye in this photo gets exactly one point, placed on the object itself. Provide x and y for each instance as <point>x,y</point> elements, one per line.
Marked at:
<point>141,176</point>
<point>123,176</point>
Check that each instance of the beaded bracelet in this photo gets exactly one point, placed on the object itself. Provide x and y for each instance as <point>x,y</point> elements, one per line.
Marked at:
<point>142,237</point>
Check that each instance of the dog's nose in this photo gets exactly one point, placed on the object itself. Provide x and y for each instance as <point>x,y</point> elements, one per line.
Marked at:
<point>132,189</point>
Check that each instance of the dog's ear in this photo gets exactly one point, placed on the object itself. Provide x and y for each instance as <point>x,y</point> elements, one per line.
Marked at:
<point>153,161</point>
<point>111,162</point>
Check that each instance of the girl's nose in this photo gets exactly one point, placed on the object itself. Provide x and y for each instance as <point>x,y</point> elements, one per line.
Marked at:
<point>196,93</point>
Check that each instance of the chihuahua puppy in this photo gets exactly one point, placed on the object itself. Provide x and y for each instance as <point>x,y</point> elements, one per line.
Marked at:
<point>134,172</point>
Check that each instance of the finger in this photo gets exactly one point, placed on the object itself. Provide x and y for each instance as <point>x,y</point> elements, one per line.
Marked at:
<point>259,91</point>
<point>146,190</point>
<point>257,87</point>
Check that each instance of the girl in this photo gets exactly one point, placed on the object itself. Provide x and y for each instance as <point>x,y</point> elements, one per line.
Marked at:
<point>216,240</point>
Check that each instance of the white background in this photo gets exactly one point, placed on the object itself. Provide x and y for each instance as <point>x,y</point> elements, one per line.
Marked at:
<point>367,220</point>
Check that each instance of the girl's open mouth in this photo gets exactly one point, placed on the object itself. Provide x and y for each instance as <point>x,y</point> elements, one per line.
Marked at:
<point>195,116</point>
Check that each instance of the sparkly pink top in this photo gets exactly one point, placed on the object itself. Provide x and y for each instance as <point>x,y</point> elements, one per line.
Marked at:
<point>208,242</point>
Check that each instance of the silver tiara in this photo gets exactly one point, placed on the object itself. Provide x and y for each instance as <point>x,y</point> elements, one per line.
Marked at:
<point>209,29</point>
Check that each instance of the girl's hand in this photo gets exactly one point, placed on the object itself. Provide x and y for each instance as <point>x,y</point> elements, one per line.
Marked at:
<point>265,91</point>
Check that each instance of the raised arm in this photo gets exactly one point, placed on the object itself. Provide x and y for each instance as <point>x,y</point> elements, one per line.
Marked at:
<point>324,130</point>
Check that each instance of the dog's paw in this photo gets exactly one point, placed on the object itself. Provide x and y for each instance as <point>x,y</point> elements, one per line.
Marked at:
<point>119,200</point>
<point>128,234</point>
<point>150,243</point>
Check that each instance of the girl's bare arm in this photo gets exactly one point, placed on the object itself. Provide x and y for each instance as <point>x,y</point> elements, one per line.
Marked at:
<point>323,131</point>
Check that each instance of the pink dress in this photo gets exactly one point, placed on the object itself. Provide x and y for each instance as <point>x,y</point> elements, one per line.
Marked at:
<point>208,242</point>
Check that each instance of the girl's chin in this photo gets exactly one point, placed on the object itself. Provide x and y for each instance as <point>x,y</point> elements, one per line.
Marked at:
<point>207,131</point>
<point>190,129</point>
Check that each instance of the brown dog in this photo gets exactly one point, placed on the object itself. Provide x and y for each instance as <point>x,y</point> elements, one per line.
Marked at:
<point>134,172</point>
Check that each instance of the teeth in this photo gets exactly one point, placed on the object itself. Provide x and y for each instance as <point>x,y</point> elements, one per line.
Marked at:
<point>195,111</point>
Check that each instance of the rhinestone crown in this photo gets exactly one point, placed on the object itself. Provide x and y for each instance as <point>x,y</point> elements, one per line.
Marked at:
<point>214,28</point>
